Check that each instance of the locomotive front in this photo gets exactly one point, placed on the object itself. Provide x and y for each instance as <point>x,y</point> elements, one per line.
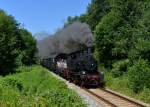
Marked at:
<point>84,68</point>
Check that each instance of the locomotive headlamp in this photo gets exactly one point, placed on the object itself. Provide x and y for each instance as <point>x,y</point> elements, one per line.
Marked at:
<point>83,72</point>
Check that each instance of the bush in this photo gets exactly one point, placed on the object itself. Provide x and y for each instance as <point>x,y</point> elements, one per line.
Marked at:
<point>13,82</point>
<point>145,95</point>
<point>121,85</point>
<point>120,67</point>
<point>139,75</point>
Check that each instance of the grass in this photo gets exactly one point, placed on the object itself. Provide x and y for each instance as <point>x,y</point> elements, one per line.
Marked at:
<point>36,87</point>
<point>121,85</point>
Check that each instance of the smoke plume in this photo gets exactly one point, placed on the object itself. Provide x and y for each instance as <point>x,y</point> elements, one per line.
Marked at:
<point>65,40</point>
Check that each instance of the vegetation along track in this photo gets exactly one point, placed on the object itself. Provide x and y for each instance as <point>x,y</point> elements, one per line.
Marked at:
<point>114,100</point>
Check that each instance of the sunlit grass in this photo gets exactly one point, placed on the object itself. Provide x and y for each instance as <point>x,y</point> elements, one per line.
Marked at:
<point>35,86</point>
<point>121,85</point>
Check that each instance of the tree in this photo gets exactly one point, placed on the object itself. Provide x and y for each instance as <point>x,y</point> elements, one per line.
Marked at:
<point>70,20</point>
<point>28,48</point>
<point>95,11</point>
<point>141,48</point>
<point>10,41</point>
<point>115,34</point>
<point>17,46</point>
<point>139,75</point>
<point>81,18</point>
<point>104,37</point>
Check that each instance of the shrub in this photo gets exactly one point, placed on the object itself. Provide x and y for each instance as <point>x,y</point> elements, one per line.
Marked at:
<point>119,83</point>
<point>13,82</point>
<point>120,67</point>
<point>139,75</point>
<point>145,95</point>
<point>141,49</point>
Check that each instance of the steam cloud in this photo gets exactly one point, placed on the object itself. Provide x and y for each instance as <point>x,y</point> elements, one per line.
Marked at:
<point>66,40</point>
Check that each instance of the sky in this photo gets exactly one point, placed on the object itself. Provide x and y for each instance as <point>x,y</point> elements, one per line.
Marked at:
<point>43,15</point>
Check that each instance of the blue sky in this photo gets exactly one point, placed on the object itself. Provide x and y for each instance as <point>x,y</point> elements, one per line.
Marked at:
<point>43,15</point>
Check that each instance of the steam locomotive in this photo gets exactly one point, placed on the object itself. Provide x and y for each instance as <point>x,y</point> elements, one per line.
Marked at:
<point>78,67</point>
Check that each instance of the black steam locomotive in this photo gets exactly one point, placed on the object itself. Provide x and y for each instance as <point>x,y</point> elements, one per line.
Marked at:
<point>78,67</point>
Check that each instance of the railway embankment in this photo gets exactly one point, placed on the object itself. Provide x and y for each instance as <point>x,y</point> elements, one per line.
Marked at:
<point>35,86</point>
<point>121,85</point>
<point>103,97</point>
<point>89,99</point>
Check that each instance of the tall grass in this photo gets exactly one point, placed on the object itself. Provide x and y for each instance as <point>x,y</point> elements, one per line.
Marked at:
<point>121,84</point>
<point>36,87</point>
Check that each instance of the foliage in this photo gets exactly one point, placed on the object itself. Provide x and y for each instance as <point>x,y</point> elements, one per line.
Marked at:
<point>95,11</point>
<point>28,48</point>
<point>70,20</point>
<point>15,83</point>
<point>115,33</point>
<point>142,45</point>
<point>141,50</point>
<point>10,41</point>
<point>121,85</point>
<point>139,75</point>
<point>120,67</point>
<point>145,95</point>
<point>38,88</point>
<point>103,38</point>
<point>17,46</point>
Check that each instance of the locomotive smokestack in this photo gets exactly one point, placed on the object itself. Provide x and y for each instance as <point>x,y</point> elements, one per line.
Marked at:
<point>66,40</point>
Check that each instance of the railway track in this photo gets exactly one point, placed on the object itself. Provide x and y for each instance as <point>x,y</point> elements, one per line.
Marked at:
<point>108,98</point>
<point>112,99</point>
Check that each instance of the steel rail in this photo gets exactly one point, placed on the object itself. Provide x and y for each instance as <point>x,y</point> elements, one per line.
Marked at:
<point>125,98</point>
<point>101,98</point>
